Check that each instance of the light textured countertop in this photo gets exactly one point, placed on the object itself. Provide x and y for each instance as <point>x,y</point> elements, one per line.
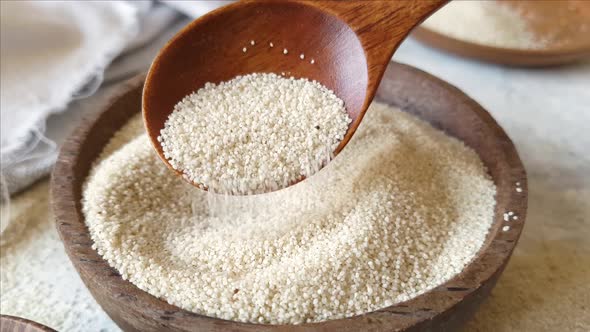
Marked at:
<point>546,286</point>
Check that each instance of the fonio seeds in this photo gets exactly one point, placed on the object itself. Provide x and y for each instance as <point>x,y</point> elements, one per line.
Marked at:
<point>485,22</point>
<point>402,209</point>
<point>254,133</point>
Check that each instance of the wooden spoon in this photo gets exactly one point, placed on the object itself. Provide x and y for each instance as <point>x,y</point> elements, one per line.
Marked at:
<point>346,45</point>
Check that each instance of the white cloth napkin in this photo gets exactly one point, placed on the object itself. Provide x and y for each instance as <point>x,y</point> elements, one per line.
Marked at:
<point>196,8</point>
<point>56,55</point>
<point>50,50</point>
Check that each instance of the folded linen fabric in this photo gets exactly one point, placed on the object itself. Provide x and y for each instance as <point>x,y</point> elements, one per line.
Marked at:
<point>50,51</point>
<point>56,52</point>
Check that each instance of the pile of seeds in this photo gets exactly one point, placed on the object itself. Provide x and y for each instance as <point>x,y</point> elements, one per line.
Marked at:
<point>401,210</point>
<point>490,23</point>
<point>254,133</point>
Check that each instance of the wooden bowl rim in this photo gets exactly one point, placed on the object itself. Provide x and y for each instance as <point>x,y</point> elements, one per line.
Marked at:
<point>24,323</point>
<point>502,55</point>
<point>77,242</point>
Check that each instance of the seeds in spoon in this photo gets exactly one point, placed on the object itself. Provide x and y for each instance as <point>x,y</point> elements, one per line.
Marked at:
<point>254,133</point>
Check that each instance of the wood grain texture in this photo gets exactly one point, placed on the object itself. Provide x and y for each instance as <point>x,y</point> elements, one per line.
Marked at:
<point>565,23</point>
<point>351,43</point>
<point>442,309</point>
<point>18,324</point>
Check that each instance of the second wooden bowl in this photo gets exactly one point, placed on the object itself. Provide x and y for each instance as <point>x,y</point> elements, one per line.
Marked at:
<point>503,56</point>
<point>441,309</point>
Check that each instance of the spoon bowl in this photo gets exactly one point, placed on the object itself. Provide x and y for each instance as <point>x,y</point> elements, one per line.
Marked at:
<point>344,45</point>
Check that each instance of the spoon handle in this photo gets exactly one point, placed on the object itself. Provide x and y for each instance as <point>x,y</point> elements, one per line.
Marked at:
<point>381,26</point>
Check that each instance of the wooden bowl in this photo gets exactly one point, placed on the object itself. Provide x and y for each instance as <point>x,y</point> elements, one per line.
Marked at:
<point>504,56</point>
<point>443,308</point>
<point>18,324</point>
